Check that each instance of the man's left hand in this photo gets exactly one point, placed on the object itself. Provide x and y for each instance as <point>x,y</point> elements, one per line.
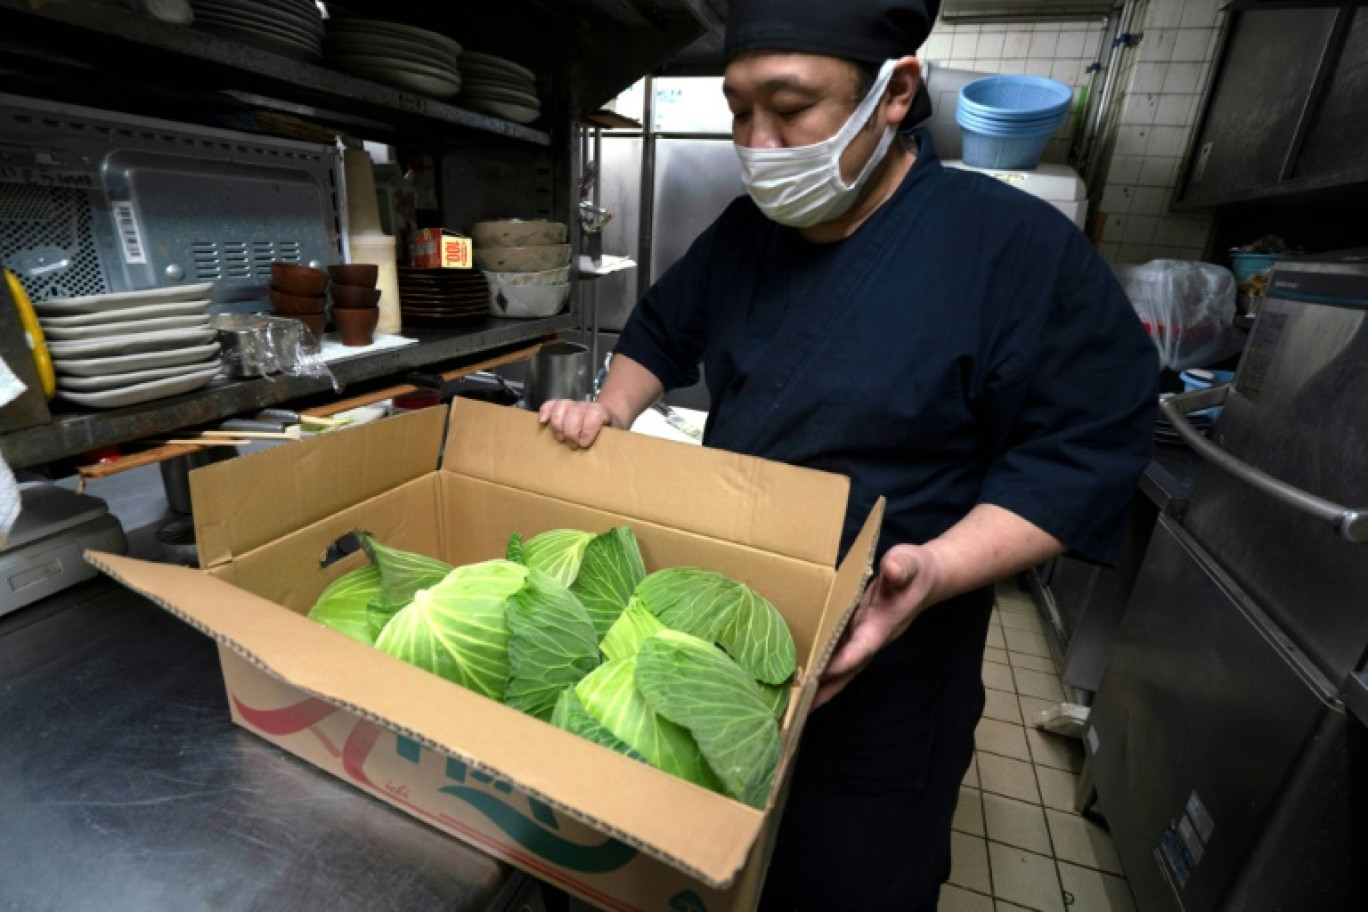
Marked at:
<point>908,575</point>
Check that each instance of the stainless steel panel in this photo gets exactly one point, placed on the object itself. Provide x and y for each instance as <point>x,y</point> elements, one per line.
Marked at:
<point>1296,412</point>
<point>620,188</point>
<point>695,180</point>
<point>1198,722</point>
<point>126,787</point>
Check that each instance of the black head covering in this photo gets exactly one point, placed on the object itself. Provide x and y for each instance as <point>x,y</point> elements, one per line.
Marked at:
<point>866,31</point>
<point>869,31</point>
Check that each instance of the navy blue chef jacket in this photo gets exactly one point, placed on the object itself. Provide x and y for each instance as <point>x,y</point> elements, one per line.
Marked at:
<point>966,345</point>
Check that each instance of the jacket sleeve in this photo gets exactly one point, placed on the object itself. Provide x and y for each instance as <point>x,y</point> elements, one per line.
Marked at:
<point>1073,421</point>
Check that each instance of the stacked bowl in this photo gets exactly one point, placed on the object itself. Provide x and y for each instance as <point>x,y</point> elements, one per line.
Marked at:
<point>1007,121</point>
<point>355,302</point>
<point>297,293</point>
<point>527,265</point>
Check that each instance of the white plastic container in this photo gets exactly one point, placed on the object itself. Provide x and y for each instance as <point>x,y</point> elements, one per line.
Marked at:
<point>378,249</point>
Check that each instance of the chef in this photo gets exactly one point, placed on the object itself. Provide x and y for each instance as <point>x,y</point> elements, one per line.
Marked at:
<point>944,340</point>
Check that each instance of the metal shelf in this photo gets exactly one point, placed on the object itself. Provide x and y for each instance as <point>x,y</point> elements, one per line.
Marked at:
<point>70,434</point>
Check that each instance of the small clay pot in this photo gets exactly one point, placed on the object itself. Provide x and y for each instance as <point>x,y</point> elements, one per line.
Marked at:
<point>360,275</point>
<point>294,279</point>
<point>288,305</point>
<point>356,325</point>
<point>350,297</point>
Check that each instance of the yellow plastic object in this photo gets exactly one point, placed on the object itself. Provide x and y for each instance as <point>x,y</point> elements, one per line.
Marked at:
<point>34,333</point>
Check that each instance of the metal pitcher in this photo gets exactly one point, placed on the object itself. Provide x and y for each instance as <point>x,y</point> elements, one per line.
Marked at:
<point>559,371</point>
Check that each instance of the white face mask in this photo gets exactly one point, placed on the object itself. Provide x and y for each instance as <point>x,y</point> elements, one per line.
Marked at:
<point>802,186</point>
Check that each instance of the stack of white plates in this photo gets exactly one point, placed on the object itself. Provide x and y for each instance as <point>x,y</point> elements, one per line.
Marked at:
<point>500,87</point>
<point>119,349</point>
<point>291,28</point>
<point>398,55</point>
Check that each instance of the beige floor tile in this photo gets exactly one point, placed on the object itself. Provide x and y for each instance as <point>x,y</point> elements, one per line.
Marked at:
<point>1094,891</point>
<point>1000,905</point>
<point>1057,788</point>
<point>971,776</point>
<point>998,677</point>
<point>1003,738</point>
<point>1030,706</point>
<point>1020,620</point>
<point>995,638</point>
<point>1001,705</point>
<point>1079,840</point>
<point>1009,592</point>
<point>969,813</point>
<point>1025,878</point>
<point>1005,776</point>
<point>1038,684</point>
<point>995,655</point>
<point>1016,823</point>
<point>1055,751</point>
<point>958,899</point>
<point>1026,641</point>
<point>1034,663</point>
<point>969,862</point>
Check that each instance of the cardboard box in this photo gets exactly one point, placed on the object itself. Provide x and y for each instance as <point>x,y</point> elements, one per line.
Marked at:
<point>438,248</point>
<point>614,831</point>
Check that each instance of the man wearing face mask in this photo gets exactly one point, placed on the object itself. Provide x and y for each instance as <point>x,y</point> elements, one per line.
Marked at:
<point>947,342</point>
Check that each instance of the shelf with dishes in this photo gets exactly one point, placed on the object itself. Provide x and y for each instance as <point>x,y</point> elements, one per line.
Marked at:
<point>356,73</point>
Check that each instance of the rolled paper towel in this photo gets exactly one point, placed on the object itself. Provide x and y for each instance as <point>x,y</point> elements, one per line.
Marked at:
<point>379,250</point>
<point>363,209</point>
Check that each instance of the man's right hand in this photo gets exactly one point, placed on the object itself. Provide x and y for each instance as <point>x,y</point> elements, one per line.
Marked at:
<point>575,424</point>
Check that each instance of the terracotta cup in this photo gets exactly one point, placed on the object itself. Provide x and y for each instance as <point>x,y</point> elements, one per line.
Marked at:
<point>350,297</point>
<point>356,325</point>
<point>294,279</point>
<point>288,305</point>
<point>362,275</point>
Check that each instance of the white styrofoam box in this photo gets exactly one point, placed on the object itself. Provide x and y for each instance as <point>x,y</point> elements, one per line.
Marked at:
<point>1056,184</point>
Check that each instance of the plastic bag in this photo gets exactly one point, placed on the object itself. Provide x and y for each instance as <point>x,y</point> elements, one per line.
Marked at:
<point>1186,308</point>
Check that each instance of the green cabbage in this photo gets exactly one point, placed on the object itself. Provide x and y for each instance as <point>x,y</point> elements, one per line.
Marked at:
<point>721,610</point>
<point>601,570</point>
<point>698,687</point>
<point>342,606</point>
<point>626,635</point>
<point>571,716</point>
<point>402,574</point>
<point>551,645</point>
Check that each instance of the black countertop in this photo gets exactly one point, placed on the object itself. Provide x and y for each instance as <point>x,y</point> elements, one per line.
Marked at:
<point>125,786</point>
<point>1170,477</point>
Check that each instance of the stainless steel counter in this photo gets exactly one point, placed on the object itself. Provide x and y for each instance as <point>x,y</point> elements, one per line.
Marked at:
<point>124,786</point>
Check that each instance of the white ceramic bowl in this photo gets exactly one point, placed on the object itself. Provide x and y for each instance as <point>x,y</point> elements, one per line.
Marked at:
<point>522,259</point>
<point>527,301</point>
<point>517,233</point>
<point>545,277</point>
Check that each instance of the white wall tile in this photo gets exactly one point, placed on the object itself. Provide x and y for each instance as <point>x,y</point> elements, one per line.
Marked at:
<point>1072,44</point>
<point>1200,13</point>
<point>1125,169</point>
<point>1192,45</point>
<point>1066,71</point>
<point>1115,228</point>
<point>990,45</point>
<point>965,44</point>
<point>1176,110</point>
<point>1156,44</point>
<point>1134,254</point>
<point>1043,44</point>
<point>1118,199</point>
<point>1163,13</point>
<point>1139,229</point>
<point>1038,66</point>
<point>936,47</point>
<point>1150,201</point>
<point>1167,141</point>
<point>1183,78</point>
<point>1157,171</point>
<point>1109,251</point>
<point>1148,77</point>
<point>1139,108</point>
<point>1018,44</point>
<point>1131,140</point>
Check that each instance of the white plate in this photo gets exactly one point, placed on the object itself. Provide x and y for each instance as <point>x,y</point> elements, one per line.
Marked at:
<point>402,79</point>
<point>515,113</point>
<point>480,77</point>
<point>124,327</point>
<point>273,20</point>
<point>393,47</point>
<point>143,312</point>
<point>142,392</point>
<point>487,92</point>
<point>133,343</point>
<point>116,381</point>
<point>119,364</point>
<point>434,70</point>
<point>120,299</point>
<point>299,12</point>
<point>379,27</point>
<point>500,64</point>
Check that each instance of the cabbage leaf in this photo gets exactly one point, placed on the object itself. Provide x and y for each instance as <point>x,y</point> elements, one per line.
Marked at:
<point>721,610</point>
<point>697,686</point>
<point>557,553</point>
<point>602,570</point>
<point>402,574</point>
<point>571,716</point>
<point>551,645</point>
<point>629,631</point>
<point>458,629</point>
<point>342,605</point>
<point>609,695</point>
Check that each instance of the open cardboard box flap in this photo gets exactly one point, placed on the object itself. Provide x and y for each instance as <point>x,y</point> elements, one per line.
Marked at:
<point>250,503</point>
